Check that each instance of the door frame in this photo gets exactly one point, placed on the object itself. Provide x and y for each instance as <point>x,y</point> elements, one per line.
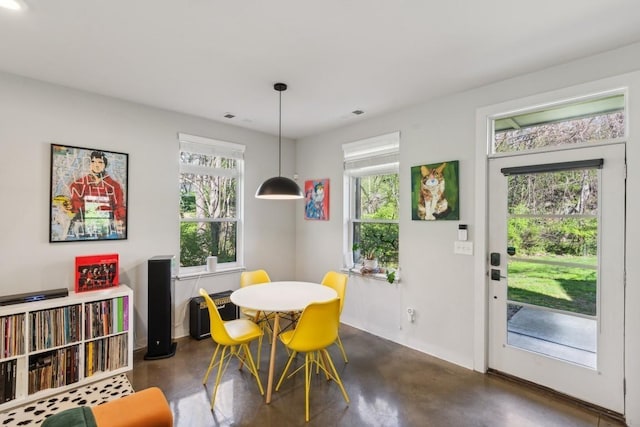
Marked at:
<point>484,117</point>
<point>601,384</point>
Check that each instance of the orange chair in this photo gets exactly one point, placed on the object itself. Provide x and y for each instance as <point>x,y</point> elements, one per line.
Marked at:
<point>317,328</point>
<point>338,282</point>
<point>145,408</point>
<point>232,338</point>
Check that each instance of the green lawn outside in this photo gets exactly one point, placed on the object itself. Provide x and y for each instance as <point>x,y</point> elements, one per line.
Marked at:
<point>563,288</point>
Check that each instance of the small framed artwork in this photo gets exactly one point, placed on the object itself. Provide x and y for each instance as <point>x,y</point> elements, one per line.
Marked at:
<point>316,205</point>
<point>88,194</point>
<point>95,272</point>
<point>435,192</point>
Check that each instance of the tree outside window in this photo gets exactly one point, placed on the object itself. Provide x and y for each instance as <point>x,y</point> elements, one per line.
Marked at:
<point>375,223</point>
<point>371,170</point>
<point>209,205</point>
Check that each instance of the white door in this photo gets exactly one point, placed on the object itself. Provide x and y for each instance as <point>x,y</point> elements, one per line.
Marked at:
<point>556,288</point>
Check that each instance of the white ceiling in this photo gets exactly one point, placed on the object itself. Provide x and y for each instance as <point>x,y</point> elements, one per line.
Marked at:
<point>210,57</point>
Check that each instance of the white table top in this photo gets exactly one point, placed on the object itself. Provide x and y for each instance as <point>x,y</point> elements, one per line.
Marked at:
<point>282,296</point>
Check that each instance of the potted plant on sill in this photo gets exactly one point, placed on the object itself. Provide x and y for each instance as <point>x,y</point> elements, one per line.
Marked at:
<point>377,245</point>
<point>370,264</point>
<point>368,253</point>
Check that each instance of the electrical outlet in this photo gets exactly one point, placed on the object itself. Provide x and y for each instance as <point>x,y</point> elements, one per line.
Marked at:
<point>410,314</point>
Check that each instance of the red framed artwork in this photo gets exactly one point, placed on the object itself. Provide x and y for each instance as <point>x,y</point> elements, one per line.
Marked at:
<point>96,272</point>
<point>316,205</point>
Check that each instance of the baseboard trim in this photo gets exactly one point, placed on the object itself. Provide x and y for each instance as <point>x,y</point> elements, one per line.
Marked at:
<point>598,410</point>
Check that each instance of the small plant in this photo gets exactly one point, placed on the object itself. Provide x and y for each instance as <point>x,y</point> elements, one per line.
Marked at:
<point>391,276</point>
<point>367,250</point>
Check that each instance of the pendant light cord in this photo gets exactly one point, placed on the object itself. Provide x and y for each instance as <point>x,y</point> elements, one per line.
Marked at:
<point>279,187</point>
<point>280,136</point>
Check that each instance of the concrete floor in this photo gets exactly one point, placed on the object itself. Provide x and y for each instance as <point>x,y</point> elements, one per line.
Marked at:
<point>388,385</point>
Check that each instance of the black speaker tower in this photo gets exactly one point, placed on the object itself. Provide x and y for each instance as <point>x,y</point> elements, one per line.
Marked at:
<point>159,343</point>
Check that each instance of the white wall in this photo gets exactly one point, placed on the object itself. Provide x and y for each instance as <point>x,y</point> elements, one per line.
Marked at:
<point>34,114</point>
<point>446,289</point>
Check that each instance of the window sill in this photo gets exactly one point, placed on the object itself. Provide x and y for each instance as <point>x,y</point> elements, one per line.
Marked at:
<point>356,270</point>
<point>204,273</point>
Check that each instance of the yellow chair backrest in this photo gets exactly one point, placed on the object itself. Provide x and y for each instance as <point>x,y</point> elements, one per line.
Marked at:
<point>253,278</point>
<point>218,331</point>
<point>338,282</point>
<point>317,326</point>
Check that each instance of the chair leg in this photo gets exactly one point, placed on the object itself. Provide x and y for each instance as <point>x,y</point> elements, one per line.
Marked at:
<point>211,364</point>
<point>262,319</point>
<point>323,361</point>
<point>336,377</point>
<point>266,327</point>
<point>341,347</point>
<point>223,360</point>
<point>259,351</point>
<point>252,366</point>
<point>221,368</point>
<point>286,368</point>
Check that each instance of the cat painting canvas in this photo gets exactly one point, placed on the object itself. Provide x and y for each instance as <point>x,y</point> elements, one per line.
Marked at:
<point>435,192</point>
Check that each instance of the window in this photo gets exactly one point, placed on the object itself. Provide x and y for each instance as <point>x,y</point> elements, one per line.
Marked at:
<point>592,120</point>
<point>372,199</point>
<point>211,184</point>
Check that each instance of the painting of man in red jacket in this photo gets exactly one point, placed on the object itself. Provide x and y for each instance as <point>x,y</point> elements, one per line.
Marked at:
<point>88,194</point>
<point>97,200</point>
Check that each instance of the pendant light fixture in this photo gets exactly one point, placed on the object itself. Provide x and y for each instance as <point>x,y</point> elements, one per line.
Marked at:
<point>279,187</point>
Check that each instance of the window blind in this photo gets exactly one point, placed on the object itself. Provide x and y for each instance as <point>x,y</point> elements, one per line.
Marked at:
<point>211,147</point>
<point>379,154</point>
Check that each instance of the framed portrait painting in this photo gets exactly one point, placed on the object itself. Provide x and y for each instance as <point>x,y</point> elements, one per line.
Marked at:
<point>88,194</point>
<point>316,199</point>
<point>435,192</point>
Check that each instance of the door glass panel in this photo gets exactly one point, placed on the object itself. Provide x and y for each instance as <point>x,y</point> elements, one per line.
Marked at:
<point>552,275</point>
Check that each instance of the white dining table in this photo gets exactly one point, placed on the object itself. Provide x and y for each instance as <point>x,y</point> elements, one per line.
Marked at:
<point>277,298</point>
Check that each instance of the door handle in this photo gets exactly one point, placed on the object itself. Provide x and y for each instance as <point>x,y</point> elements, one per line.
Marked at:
<point>495,274</point>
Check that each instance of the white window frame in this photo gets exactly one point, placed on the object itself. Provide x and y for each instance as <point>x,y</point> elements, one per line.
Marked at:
<point>210,146</point>
<point>377,155</point>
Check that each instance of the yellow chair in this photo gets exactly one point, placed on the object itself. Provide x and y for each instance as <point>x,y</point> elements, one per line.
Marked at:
<point>317,328</point>
<point>338,282</point>
<point>232,338</point>
<point>256,277</point>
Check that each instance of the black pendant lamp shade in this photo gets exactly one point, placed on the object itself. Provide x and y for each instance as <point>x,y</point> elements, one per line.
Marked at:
<point>279,187</point>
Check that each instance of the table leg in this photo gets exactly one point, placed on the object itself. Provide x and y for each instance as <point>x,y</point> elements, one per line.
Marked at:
<point>272,359</point>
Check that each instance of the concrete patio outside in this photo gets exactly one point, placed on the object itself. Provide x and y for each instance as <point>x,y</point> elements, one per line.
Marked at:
<point>563,336</point>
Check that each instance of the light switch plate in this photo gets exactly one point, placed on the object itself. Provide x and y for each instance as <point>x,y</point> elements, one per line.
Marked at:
<point>463,247</point>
